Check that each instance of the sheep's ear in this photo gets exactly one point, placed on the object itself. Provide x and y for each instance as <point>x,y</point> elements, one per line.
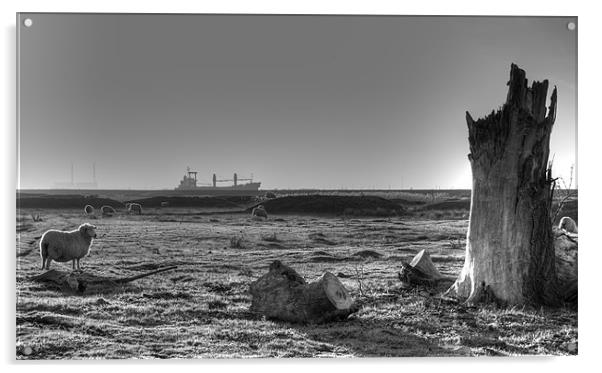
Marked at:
<point>82,228</point>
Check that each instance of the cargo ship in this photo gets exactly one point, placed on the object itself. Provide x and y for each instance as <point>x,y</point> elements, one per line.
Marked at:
<point>189,187</point>
<point>190,183</point>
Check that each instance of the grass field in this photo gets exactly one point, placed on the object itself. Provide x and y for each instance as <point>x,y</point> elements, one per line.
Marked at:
<point>200,309</point>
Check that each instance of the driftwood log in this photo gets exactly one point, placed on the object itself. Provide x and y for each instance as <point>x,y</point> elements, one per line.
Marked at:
<point>80,282</point>
<point>420,271</point>
<point>284,295</point>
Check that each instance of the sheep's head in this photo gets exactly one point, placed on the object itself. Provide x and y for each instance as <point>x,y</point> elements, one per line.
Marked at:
<point>88,230</point>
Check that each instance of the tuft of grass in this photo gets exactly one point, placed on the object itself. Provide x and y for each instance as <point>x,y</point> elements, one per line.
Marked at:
<point>236,242</point>
<point>217,305</point>
<point>270,238</point>
<point>455,244</point>
<point>451,214</point>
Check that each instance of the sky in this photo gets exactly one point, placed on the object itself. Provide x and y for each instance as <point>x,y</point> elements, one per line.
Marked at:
<point>323,102</point>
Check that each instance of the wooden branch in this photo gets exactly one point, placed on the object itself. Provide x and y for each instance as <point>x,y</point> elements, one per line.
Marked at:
<point>80,282</point>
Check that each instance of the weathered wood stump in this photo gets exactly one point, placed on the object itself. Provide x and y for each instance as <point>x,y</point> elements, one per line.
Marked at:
<point>284,295</point>
<point>420,271</point>
<point>82,282</point>
<point>424,263</point>
<point>509,249</point>
<point>410,277</point>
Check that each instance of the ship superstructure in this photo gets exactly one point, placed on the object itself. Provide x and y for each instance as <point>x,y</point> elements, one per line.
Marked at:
<point>190,182</point>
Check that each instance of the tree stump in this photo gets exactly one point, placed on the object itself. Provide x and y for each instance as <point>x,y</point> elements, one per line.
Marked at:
<point>420,271</point>
<point>509,248</point>
<point>424,263</point>
<point>284,295</point>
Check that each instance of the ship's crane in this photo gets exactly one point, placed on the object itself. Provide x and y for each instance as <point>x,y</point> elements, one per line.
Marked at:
<point>236,179</point>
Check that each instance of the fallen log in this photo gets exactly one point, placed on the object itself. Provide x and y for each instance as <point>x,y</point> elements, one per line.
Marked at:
<point>82,282</point>
<point>284,295</point>
<point>420,271</point>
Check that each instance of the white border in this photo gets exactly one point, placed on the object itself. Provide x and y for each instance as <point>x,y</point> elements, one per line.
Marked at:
<point>589,183</point>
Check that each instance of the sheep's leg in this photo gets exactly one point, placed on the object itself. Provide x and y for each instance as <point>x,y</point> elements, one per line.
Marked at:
<point>78,268</point>
<point>48,260</point>
<point>73,264</point>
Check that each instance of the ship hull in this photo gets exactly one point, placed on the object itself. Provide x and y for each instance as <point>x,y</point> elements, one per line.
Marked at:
<point>242,187</point>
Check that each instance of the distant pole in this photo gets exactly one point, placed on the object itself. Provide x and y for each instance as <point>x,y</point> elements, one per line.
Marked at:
<point>72,177</point>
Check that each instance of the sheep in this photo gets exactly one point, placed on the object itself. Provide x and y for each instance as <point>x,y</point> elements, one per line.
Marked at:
<point>88,210</point>
<point>63,246</point>
<point>135,207</point>
<point>259,212</point>
<point>164,204</point>
<point>127,205</point>
<point>567,224</point>
<point>107,210</point>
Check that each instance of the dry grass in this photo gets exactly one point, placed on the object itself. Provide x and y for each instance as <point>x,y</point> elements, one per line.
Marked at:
<point>201,308</point>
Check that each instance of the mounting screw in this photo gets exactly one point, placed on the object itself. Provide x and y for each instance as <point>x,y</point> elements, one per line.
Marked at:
<point>27,22</point>
<point>571,26</point>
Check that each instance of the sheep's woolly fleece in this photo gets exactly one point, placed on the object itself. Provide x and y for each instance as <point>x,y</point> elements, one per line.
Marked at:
<point>63,246</point>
